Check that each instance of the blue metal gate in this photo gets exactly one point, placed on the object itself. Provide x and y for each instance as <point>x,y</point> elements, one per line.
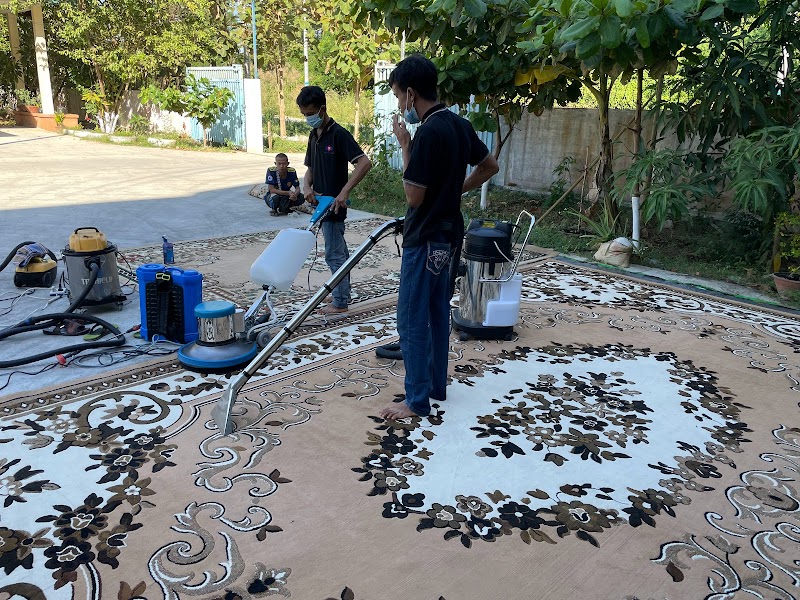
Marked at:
<point>386,106</point>
<point>230,126</point>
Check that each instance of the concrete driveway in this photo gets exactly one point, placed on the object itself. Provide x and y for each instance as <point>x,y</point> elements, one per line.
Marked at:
<point>52,184</point>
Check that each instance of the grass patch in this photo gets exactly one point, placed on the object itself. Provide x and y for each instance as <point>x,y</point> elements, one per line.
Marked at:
<point>181,143</point>
<point>283,145</point>
<point>341,107</point>
<point>380,192</point>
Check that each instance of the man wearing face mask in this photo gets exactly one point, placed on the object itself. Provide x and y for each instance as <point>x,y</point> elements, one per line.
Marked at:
<point>434,170</point>
<point>330,148</point>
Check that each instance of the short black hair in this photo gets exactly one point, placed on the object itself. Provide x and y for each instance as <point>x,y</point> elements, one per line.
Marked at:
<point>311,95</point>
<point>280,155</point>
<point>418,72</point>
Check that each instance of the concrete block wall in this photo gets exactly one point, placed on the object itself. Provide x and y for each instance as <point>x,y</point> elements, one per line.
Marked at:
<point>539,144</point>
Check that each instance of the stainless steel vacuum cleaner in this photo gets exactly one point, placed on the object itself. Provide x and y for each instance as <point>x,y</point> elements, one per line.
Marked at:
<point>490,289</point>
<point>87,246</point>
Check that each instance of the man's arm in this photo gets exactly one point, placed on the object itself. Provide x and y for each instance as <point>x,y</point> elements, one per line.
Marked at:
<point>415,194</point>
<point>482,172</point>
<point>308,187</point>
<point>274,190</point>
<point>363,164</point>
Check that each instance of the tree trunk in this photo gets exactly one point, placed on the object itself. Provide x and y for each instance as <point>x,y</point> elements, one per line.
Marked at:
<point>604,171</point>
<point>205,137</point>
<point>281,99</point>
<point>247,63</point>
<point>637,128</point>
<point>651,142</point>
<point>500,139</point>
<point>357,115</point>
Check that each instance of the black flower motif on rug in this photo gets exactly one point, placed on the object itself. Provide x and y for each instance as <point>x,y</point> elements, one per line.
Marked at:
<point>112,444</point>
<point>486,466</point>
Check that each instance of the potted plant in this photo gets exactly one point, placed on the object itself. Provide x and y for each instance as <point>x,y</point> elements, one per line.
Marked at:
<point>27,106</point>
<point>27,100</point>
<point>786,261</point>
<point>66,120</point>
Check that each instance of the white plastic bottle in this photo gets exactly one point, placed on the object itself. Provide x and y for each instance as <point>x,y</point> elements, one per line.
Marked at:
<point>281,261</point>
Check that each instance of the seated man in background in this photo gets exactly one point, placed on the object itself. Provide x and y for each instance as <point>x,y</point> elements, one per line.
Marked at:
<point>284,187</point>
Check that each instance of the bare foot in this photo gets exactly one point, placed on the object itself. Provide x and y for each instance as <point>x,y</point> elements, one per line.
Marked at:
<point>397,411</point>
<point>330,309</point>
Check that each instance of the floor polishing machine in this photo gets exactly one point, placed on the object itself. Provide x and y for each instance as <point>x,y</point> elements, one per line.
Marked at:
<point>229,336</point>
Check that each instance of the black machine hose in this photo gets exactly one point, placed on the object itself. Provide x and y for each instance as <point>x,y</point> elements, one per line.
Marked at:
<point>31,324</point>
<point>43,321</point>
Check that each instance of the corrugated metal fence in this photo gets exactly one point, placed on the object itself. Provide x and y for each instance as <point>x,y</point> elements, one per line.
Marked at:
<point>386,106</point>
<point>230,126</point>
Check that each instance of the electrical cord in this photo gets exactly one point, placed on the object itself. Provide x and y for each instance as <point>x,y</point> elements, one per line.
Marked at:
<point>12,373</point>
<point>125,353</point>
<point>128,273</point>
<point>44,321</point>
<point>14,300</point>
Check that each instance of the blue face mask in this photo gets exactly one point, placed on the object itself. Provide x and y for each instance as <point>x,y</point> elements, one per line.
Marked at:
<point>410,116</point>
<point>315,121</point>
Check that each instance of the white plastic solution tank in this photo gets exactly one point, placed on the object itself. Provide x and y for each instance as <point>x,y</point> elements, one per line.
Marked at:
<point>281,261</point>
<point>504,312</point>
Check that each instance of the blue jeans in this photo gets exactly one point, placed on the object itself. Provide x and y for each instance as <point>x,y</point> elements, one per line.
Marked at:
<point>423,322</point>
<point>336,254</point>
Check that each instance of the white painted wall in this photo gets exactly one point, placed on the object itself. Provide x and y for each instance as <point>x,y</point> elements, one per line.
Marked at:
<point>253,120</point>
<point>161,120</point>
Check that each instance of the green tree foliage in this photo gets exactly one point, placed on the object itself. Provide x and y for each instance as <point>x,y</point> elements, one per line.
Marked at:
<point>744,78</point>
<point>357,45</point>
<point>601,42</point>
<point>279,25</point>
<point>200,100</point>
<point>474,46</point>
<point>124,43</point>
<point>9,68</point>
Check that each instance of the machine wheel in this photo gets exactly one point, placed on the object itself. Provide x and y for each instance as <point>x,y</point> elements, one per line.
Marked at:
<point>263,338</point>
<point>509,337</point>
<point>463,336</point>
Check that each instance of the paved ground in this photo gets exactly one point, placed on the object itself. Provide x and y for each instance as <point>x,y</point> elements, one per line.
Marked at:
<point>52,184</point>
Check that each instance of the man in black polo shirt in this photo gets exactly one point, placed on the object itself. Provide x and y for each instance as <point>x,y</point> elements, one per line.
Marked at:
<point>330,148</point>
<point>434,170</point>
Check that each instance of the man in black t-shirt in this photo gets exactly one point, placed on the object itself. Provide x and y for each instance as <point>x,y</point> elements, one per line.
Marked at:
<point>330,148</point>
<point>434,170</point>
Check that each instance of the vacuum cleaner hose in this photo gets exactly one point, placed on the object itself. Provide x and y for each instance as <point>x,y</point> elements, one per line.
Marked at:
<point>43,321</point>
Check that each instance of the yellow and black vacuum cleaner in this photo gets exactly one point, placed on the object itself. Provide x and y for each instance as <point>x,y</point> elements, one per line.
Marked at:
<point>87,247</point>
<point>37,266</point>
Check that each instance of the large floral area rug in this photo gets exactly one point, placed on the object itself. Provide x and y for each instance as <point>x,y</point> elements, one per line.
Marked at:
<point>634,441</point>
